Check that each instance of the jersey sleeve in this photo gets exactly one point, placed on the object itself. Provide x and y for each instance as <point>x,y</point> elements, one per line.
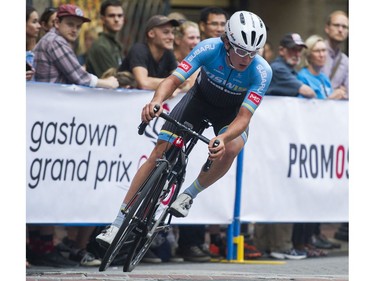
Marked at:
<point>261,78</point>
<point>203,53</point>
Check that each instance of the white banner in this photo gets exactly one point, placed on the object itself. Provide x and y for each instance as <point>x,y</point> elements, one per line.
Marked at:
<point>83,150</point>
<point>296,162</point>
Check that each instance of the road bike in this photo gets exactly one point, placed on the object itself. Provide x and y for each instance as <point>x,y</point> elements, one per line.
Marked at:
<point>148,212</point>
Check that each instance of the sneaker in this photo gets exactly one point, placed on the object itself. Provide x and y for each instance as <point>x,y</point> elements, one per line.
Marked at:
<point>54,259</point>
<point>68,248</point>
<point>84,258</point>
<point>194,254</point>
<point>207,250</point>
<point>176,258</point>
<point>277,255</point>
<point>180,207</point>
<point>251,252</point>
<point>150,257</point>
<point>312,251</point>
<point>294,254</point>
<point>291,254</point>
<point>106,237</point>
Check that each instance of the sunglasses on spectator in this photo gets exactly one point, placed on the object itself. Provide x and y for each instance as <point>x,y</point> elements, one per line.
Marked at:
<point>243,53</point>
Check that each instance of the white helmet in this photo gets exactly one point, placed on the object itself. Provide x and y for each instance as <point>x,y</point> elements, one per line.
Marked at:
<point>246,30</point>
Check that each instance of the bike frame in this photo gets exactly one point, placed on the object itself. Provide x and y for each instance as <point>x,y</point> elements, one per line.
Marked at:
<point>140,225</point>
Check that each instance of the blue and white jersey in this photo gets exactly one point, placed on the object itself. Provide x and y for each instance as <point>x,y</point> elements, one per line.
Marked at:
<point>220,84</point>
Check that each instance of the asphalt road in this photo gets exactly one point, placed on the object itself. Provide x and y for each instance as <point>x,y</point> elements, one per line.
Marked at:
<point>334,267</point>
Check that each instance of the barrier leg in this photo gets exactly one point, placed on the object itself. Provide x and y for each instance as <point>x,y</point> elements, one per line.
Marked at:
<point>239,241</point>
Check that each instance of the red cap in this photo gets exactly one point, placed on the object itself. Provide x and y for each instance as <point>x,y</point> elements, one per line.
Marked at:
<point>68,10</point>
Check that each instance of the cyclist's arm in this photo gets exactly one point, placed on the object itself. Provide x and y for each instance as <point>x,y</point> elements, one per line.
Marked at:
<point>235,129</point>
<point>163,92</point>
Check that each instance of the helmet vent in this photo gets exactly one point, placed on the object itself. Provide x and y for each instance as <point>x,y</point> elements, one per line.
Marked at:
<point>253,35</point>
<point>244,37</point>
<point>242,19</point>
<point>260,39</point>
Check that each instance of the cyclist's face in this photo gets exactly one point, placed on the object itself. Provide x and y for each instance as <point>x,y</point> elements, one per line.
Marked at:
<point>238,62</point>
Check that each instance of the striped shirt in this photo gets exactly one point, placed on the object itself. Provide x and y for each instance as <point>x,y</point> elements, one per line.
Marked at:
<point>56,62</point>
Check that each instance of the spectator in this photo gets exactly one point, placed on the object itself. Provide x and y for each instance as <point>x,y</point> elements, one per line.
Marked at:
<point>212,22</point>
<point>267,52</point>
<point>276,238</point>
<point>47,20</point>
<point>187,36</point>
<point>74,245</point>
<point>177,16</point>
<point>284,80</point>
<point>337,69</point>
<point>89,36</point>
<point>151,62</point>
<point>32,31</point>
<point>314,58</point>
<point>337,63</point>
<point>55,60</point>
<point>308,234</point>
<point>106,51</point>
<point>41,250</point>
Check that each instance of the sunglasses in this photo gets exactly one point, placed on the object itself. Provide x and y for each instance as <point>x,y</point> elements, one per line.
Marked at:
<point>243,53</point>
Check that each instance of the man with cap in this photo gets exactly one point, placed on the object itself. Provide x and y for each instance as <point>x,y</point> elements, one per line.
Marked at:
<point>55,60</point>
<point>284,80</point>
<point>152,61</point>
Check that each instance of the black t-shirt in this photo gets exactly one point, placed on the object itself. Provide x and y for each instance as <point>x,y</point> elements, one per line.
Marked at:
<point>140,55</point>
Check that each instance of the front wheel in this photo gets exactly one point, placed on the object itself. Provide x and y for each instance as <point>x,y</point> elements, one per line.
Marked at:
<point>147,230</point>
<point>136,213</point>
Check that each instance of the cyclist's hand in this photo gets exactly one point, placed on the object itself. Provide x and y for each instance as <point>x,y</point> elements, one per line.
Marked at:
<point>148,112</point>
<point>218,151</point>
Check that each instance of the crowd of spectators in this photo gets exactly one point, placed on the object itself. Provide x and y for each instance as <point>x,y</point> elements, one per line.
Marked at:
<point>314,68</point>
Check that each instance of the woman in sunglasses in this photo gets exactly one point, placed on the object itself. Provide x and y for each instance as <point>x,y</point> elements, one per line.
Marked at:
<point>230,86</point>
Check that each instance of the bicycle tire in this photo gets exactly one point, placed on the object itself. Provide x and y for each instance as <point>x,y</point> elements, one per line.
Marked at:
<point>143,242</point>
<point>130,222</point>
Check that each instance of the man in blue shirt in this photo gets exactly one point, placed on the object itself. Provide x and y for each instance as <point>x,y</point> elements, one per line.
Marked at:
<point>284,80</point>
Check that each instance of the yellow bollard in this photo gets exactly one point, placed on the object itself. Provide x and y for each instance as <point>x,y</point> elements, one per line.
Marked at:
<point>239,241</point>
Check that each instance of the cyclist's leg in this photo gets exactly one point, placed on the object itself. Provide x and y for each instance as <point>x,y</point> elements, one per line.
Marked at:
<point>221,166</point>
<point>186,109</point>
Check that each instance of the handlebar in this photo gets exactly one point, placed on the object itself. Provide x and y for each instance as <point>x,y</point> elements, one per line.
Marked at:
<point>143,125</point>
<point>208,163</point>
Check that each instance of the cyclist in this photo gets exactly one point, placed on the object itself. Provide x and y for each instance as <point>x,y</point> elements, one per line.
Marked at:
<point>230,86</point>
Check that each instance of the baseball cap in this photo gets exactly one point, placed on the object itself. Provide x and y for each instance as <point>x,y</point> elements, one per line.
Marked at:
<point>159,20</point>
<point>68,10</point>
<point>291,40</point>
